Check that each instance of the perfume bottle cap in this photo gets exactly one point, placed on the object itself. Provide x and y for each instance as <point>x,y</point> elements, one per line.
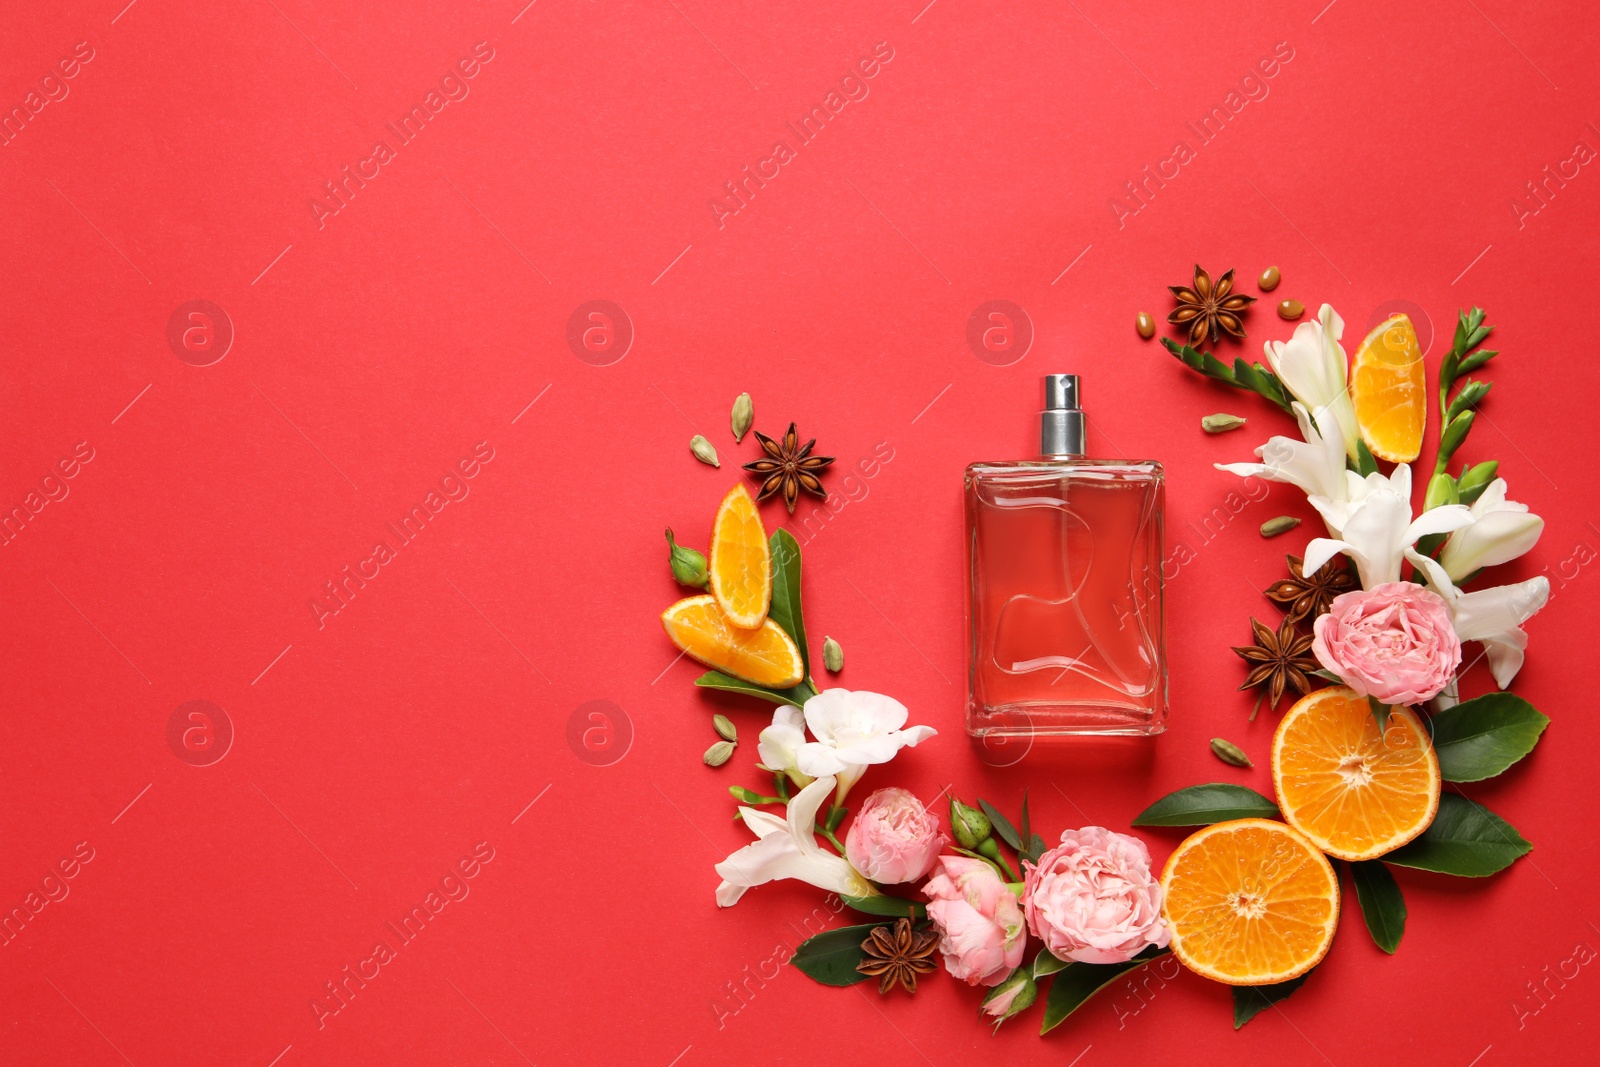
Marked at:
<point>1061,421</point>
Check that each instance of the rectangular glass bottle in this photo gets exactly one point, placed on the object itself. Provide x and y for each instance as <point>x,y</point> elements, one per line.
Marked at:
<point>1064,583</point>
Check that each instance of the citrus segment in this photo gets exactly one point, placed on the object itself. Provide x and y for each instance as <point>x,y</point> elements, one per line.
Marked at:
<point>1389,391</point>
<point>765,655</point>
<point>741,560</point>
<point>1355,792</point>
<point>1250,902</point>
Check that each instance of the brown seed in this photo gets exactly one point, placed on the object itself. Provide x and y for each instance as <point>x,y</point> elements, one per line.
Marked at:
<point>1145,325</point>
<point>1269,279</point>
<point>1290,309</point>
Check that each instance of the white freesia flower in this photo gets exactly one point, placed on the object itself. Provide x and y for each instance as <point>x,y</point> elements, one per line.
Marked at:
<point>1315,466</point>
<point>1502,530</point>
<point>1378,528</point>
<point>779,744</point>
<point>854,730</point>
<point>1493,616</point>
<point>1313,366</point>
<point>787,848</point>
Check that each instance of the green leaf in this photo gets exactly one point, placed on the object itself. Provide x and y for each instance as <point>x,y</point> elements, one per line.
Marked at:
<point>1025,834</point>
<point>785,609</point>
<point>1002,825</point>
<point>1045,963</point>
<point>1077,982</point>
<point>1250,377</point>
<point>831,956</point>
<point>883,904</point>
<point>1380,712</point>
<point>1455,432</point>
<point>1465,839</point>
<point>1381,903</point>
<point>1250,1000</point>
<point>796,696</point>
<point>1475,361</point>
<point>1481,737</point>
<point>1366,463</point>
<point>1202,805</point>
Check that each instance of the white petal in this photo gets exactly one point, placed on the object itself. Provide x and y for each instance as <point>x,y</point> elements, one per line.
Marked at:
<point>1444,519</point>
<point>1505,656</point>
<point>763,823</point>
<point>803,814</point>
<point>1487,613</point>
<point>1319,551</point>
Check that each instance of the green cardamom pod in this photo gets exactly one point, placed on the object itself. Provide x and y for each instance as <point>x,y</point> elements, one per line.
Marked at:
<point>703,451</point>
<point>1280,525</point>
<point>832,655</point>
<point>1221,423</point>
<point>744,413</point>
<point>1228,752</point>
<point>719,753</point>
<point>688,566</point>
<point>725,728</point>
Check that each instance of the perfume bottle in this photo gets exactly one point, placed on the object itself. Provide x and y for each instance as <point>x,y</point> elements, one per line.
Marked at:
<point>1064,583</point>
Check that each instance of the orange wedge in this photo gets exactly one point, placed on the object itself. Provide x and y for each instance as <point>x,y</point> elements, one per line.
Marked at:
<point>1353,791</point>
<point>766,655</point>
<point>741,561</point>
<point>1250,902</point>
<point>1389,391</point>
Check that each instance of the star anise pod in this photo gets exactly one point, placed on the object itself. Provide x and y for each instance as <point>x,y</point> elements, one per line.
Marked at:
<point>1303,596</point>
<point>897,957</point>
<point>1209,308</point>
<point>1278,661</point>
<point>788,466</point>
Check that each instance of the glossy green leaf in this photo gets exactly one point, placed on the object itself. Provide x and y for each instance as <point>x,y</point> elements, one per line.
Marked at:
<point>1001,825</point>
<point>1202,805</point>
<point>1481,737</point>
<point>1465,839</point>
<point>1382,905</point>
<point>883,904</point>
<point>1045,964</point>
<point>1075,983</point>
<point>831,956</point>
<point>796,696</point>
<point>785,609</point>
<point>1251,1000</point>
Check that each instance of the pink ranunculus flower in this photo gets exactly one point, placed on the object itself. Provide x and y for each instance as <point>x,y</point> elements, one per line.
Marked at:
<point>1393,642</point>
<point>1093,899</point>
<point>981,929</point>
<point>893,838</point>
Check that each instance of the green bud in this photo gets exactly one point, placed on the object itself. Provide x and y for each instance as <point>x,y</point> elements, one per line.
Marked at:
<point>970,825</point>
<point>1011,997</point>
<point>1441,491</point>
<point>743,795</point>
<point>1474,480</point>
<point>688,566</point>
<point>832,655</point>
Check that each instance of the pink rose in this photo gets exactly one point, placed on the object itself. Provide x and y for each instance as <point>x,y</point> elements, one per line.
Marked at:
<point>1393,642</point>
<point>982,933</point>
<point>893,838</point>
<point>1093,899</point>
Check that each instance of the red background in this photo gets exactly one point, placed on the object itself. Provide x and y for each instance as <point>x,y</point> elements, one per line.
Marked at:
<point>372,353</point>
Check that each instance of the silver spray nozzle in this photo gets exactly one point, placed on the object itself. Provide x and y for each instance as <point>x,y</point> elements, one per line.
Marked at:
<point>1061,421</point>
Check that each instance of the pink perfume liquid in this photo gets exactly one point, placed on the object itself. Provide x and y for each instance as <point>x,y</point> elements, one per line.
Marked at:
<point>1064,582</point>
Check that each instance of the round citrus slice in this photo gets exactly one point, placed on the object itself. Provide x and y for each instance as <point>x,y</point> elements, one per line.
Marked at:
<point>765,655</point>
<point>741,560</point>
<point>1389,392</point>
<point>1354,791</point>
<point>1250,902</point>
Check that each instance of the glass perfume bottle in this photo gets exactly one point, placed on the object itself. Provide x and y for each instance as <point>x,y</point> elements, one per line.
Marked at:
<point>1064,584</point>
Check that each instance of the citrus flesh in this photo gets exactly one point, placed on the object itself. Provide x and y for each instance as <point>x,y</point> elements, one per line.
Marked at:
<point>1250,902</point>
<point>1389,391</point>
<point>741,561</point>
<point>765,655</point>
<point>1355,792</point>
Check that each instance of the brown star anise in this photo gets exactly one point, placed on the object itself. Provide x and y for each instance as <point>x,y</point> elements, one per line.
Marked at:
<point>898,956</point>
<point>1278,661</point>
<point>789,466</point>
<point>1305,597</point>
<point>1209,308</point>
